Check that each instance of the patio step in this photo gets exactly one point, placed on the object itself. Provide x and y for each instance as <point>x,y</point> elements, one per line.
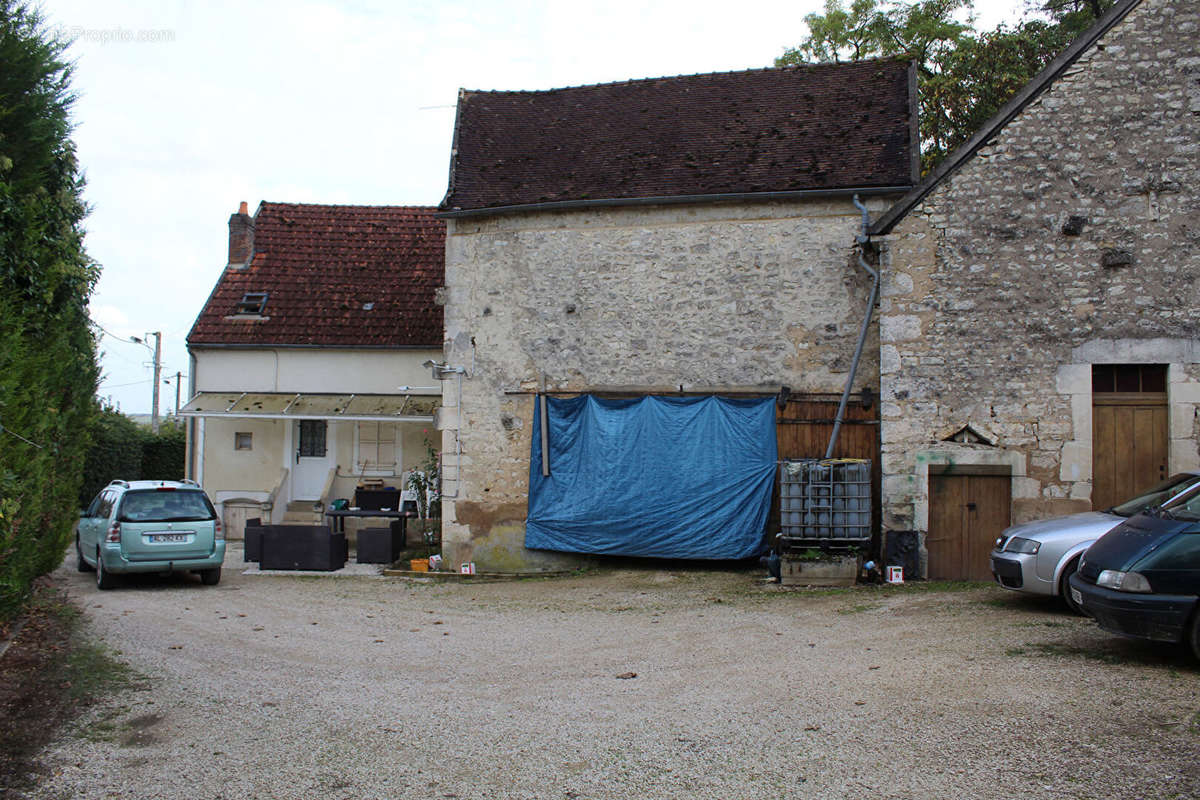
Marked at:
<point>308,517</point>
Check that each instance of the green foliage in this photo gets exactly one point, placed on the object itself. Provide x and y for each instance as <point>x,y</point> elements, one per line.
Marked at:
<point>922,30</point>
<point>115,452</point>
<point>164,456</point>
<point>123,449</point>
<point>425,483</point>
<point>963,77</point>
<point>48,370</point>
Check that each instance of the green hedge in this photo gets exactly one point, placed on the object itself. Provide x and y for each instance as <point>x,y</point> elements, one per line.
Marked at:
<point>123,449</point>
<point>48,370</point>
<point>164,455</point>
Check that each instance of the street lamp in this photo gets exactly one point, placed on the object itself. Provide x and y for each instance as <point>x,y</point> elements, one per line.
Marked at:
<point>157,373</point>
<point>178,378</point>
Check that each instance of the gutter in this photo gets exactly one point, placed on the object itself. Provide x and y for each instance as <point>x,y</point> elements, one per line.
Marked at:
<point>271,346</point>
<point>658,391</point>
<point>420,418</point>
<point>666,200</point>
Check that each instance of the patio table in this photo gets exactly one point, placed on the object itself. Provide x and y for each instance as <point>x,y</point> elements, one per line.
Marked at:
<point>338,517</point>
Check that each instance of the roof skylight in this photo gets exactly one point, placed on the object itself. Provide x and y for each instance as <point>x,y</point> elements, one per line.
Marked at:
<point>252,303</point>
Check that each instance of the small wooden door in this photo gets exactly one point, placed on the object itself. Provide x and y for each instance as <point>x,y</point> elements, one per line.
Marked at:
<point>234,514</point>
<point>966,514</point>
<point>1129,446</point>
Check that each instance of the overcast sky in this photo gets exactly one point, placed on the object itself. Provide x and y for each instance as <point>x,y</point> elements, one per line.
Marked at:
<point>186,109</point>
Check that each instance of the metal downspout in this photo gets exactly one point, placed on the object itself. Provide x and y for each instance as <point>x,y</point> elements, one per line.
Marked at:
<point>862,239</point>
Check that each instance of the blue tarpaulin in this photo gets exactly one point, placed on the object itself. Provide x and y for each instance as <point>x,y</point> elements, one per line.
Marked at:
<point>666,477</point>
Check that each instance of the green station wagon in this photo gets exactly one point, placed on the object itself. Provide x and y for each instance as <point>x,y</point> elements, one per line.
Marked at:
<point>150,526</point>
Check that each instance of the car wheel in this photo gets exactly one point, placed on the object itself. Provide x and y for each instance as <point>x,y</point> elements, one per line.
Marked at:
<point>210,577</point>
<point>104,579</point>
<point>1064,587</point>
<point>80,564</point>
<point>1193,634</point>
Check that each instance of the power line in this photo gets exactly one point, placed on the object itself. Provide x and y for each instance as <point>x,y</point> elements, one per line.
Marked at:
<point>123,385</point>
<point>110,354</point>
<point>103,329</point>
<point>122,339</point>
<point>19,436</point>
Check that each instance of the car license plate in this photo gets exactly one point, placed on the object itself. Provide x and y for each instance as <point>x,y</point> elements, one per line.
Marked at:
<point>166,538</point>
<point>1077,596</point>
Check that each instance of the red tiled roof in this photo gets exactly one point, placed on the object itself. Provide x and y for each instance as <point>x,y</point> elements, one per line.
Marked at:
<point>338,276</point>
<point>826,126</point>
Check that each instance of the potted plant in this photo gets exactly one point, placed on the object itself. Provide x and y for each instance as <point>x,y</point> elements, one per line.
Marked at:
<point>425,484</point>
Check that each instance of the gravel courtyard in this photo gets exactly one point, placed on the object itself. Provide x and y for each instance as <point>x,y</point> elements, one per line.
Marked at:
<point>367,687</point>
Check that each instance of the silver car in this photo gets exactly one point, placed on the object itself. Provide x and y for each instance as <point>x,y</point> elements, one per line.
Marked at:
<point>1040,557</point>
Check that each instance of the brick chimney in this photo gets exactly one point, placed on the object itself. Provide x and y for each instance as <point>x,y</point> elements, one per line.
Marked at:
<point>241,238</point>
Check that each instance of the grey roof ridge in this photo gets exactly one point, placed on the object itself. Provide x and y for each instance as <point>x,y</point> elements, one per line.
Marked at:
<point>277,203</point>
<point>1006,114</point>
<point>747,70</point>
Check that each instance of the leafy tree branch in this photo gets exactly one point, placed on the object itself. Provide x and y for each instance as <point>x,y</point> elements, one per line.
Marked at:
<point>963,76</point>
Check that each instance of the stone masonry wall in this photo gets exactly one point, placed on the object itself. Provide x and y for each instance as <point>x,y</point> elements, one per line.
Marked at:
<point>739,296</point>
<point>1072,238</point>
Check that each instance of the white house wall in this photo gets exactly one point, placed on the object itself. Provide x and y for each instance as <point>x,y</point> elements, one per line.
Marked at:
<point>231,473</point>
<point>228,473</point>
<point>311,370</point>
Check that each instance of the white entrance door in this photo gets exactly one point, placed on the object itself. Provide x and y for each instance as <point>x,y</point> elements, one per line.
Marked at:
<point>314,457</point>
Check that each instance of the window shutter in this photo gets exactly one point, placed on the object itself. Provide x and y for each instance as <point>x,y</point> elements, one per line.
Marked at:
<point>377,445</point>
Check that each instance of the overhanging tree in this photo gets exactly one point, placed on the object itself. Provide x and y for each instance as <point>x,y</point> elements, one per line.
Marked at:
<point>963,76</point>
<point>48,367</point>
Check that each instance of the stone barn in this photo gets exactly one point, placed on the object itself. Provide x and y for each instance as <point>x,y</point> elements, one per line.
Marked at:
<point>1040,311</point>
<point>681,237</point>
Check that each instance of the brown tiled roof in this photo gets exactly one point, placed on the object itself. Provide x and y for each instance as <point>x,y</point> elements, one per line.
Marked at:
<point>341,276</point>
<point>813,127</point>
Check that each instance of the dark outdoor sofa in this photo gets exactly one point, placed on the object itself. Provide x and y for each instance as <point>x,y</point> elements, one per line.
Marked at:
<point>314,547</point>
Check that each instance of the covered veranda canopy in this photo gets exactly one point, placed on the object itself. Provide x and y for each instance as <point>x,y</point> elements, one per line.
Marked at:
<point>308,405</point>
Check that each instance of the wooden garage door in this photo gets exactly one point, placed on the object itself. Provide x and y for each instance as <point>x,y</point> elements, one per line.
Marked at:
<point>1129,431</point>
<point>966,514</point>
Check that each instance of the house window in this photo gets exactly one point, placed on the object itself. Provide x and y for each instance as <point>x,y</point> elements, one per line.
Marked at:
<point>312,438</point>
<point>378,448</point>
<point>243,441</point>
<point>252,303</point>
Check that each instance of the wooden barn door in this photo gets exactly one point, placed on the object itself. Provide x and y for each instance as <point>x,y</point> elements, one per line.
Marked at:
<point>1129,430</point>
<point>966,514</point>
<point>802,430</point>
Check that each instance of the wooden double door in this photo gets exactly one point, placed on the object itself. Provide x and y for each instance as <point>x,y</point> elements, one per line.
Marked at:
<point>966,514</point>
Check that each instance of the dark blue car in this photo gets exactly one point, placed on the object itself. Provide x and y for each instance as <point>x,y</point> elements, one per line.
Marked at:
<point>1142,578</point>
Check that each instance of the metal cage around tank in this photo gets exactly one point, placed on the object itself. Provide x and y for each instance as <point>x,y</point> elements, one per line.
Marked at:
<point>825,504</point>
